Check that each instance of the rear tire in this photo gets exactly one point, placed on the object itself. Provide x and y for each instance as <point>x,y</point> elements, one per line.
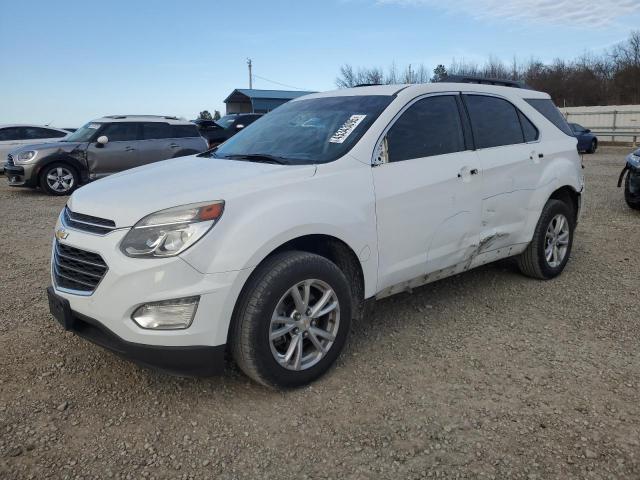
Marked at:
<point>275,343</point>
<point>594,146</point>
<point>59,179</point>
<point>549,250</point>
<point>632,202</point>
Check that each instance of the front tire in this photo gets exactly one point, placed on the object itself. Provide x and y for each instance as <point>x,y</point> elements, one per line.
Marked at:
<point>593,147</point>
<point>292,320</point>
<point>632,200</point>
<point>549,250</point>
<point>58,179</point>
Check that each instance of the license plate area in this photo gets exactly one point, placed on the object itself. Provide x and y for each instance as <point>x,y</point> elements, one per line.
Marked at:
<point>60,309</point>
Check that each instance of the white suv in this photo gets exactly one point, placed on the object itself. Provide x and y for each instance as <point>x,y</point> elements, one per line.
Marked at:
<point>269,245</point>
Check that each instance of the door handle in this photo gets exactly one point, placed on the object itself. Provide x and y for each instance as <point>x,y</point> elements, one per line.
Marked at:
<point>466,172</point>
<point>474,171</point>
<point>173,145</point>
<point>129,149</point>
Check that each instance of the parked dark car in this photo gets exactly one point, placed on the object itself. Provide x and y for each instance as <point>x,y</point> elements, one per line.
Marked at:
<point>587,141</point>
<point>218,131</point>
<point>630,175</point>
<point>101,147</point>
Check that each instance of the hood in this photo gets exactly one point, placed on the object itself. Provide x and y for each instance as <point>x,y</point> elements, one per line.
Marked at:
<point>128,196</point>
<point>65,147</point>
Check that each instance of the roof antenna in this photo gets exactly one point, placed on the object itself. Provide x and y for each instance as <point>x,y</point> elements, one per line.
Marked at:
<point>250,65</point>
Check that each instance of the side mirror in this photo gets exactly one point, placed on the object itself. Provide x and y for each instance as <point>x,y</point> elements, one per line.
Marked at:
<point>103,140</point>
<point>587,130</point>
<point>239,126</point>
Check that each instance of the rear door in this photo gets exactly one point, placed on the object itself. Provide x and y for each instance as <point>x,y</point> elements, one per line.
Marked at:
<point>158,142</point>
<point>120,152</point>
<point>427,193</point>
<point>509,152</point>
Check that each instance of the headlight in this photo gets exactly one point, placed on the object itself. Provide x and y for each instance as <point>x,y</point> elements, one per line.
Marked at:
<point>27,156</point>
<point>170,232</point>
<point>634,159</point>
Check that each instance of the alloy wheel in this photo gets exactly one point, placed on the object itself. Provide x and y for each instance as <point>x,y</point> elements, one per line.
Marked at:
<point>556,242</point>
<point>60,179</point>
<point>304,325</point>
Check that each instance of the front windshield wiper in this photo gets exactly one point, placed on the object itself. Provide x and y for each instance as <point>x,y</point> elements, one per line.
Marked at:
<point>259,157</point>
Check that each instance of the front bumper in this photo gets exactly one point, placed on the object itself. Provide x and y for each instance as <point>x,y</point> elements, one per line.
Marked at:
<point>20,175</point>
<point>131,282</point>
<point>189,360</point>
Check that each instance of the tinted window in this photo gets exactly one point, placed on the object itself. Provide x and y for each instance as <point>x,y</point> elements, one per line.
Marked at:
<point>12,133</point>
<point>156,130</point>
<point>37,132</point>
<point>430,126</point>
<point>547,108</point>
<point>120,132</point>
<point>530,131</point>
<point>494,121</point>
<point>180,131</point>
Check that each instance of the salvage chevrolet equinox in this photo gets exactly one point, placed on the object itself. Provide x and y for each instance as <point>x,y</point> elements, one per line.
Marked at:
<point>269,245</point>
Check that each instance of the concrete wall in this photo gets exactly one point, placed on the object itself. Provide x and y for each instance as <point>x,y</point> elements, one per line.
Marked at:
<point>615,123</point>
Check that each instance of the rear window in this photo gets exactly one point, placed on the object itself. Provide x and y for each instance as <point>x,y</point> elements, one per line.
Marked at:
<point>547,108</point>
<point>182,131</point>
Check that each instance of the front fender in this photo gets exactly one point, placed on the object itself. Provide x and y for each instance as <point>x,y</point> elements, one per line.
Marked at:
<point>337,202</point>
<point>76,159</point>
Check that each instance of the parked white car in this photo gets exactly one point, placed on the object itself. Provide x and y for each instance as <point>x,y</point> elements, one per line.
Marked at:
<point>268,246</point>
<point>17,135</point>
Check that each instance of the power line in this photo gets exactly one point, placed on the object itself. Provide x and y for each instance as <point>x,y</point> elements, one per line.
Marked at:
<point>278,83</point>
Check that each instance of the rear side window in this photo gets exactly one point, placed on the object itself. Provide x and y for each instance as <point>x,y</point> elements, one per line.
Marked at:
<point>37,132</point>
<point>12,133</point>
<point>120,132</point>
<point>182,131</point>
<point>494,121</point>
<point>547,108</point>
<point>156,130</point>
<point>530,131</point>
<point>429,127</point>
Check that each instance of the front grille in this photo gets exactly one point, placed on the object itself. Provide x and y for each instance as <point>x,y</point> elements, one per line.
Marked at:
<point>87,223</point>
<point>77,269</point>
<point>10,160</point>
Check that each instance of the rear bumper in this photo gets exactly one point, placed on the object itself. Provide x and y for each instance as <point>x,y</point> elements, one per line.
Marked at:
<point>177,360</point>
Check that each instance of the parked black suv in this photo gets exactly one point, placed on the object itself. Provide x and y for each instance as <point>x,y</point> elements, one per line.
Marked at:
<point>218,131</point>
<point>102,147</point>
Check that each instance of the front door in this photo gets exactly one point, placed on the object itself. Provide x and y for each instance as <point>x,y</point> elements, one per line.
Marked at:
<point>119,153</point>
<point>428,191</point>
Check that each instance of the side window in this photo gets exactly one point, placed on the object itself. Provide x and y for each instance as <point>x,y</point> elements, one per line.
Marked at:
<point>429,127</point>
<point>494,121</point>
<point>12,133</point>
<point>156,130</point>
<point>120,132</point>
<point>547,108</point>
<point>530,131</point>
<point>37,132</point>
<point>181,131</point>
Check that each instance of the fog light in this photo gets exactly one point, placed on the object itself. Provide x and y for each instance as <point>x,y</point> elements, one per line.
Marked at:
<point>166,315</point>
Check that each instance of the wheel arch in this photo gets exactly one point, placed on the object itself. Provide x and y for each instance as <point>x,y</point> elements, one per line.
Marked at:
<point>570,196</point>
<point>327,246</point>
<point>71,161</point>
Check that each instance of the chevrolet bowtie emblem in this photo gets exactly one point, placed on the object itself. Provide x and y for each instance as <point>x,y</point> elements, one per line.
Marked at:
<point>61,234</point>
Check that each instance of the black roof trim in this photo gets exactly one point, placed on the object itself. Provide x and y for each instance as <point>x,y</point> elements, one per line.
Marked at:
<point>484,81</point>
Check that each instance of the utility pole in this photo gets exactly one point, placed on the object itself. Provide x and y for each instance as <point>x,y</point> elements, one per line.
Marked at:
<point>249,64</point>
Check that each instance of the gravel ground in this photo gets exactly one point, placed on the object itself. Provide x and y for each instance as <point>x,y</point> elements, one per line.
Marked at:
<point>484,375</point>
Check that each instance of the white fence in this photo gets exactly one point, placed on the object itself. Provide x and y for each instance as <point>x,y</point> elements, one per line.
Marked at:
<point>616,123</point>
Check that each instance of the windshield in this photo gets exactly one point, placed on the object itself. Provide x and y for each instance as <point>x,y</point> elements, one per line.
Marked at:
<point>317,130</point>
<point>226,121</point>
<point>84,133</point>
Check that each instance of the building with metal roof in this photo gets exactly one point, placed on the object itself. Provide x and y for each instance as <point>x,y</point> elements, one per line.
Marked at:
<point>246,100</point>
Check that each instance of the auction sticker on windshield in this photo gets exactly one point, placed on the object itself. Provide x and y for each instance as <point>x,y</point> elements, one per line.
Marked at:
<point>347,128</point>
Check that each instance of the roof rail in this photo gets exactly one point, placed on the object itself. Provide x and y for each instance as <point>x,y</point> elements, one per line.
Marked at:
<point>484,81</point>
<point>166,117</point>
<point>367,85</point>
